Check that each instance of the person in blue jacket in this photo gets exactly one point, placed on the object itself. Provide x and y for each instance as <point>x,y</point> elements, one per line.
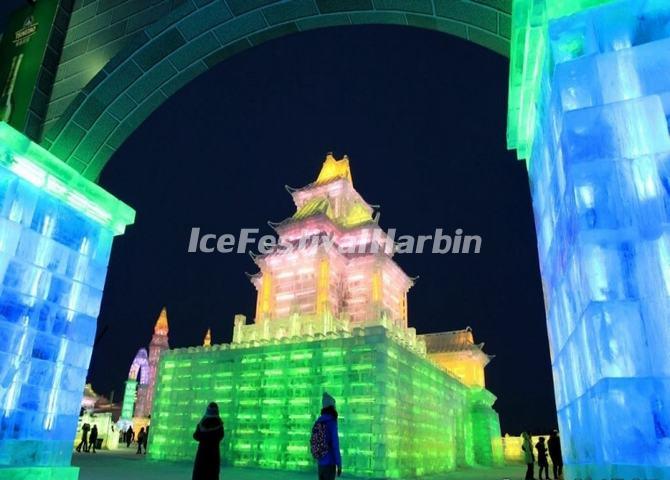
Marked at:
<point>331,464</point>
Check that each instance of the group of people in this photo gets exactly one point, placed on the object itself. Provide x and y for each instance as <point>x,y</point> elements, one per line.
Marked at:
<point>128,437</point>
<point>552,447</point>
<point>324,443</point>
<point>88,443</point>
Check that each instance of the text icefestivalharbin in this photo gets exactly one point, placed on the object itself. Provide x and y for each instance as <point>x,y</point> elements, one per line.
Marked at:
<point>336,322</point>
<point>368,239</point>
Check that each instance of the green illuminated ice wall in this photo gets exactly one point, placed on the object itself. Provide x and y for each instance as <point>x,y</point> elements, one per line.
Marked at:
<point>529,61</point>
<point>400,415</point>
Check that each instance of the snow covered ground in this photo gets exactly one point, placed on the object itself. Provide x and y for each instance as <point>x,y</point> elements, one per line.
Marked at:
<point>125,465</point>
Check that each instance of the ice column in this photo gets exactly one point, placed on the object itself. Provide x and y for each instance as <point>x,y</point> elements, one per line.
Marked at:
<point>600,179</point>
<point>56,231</point>
<point>129,398</point>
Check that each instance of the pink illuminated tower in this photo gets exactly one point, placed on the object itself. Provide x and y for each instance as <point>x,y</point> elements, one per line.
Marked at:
<point>159,343</point>
<point>338,273</point>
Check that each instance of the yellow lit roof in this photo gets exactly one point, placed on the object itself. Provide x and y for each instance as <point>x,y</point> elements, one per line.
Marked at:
<point>313,207</point>
<point>333,169</point>
<point>353,211</point>
<point>356,215</point>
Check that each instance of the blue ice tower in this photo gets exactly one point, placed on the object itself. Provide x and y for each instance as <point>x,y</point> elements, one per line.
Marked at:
<point>56,231</point>
<point>600,179</point>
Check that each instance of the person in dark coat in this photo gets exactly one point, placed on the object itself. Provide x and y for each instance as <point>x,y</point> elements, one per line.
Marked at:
<point>528,457</point>
<point>331,464</point>
<point>84,438</point>
<point>542,463</point>
<point>555,454</point>
<point>146,439</point>
<point>140,440</point>
<point>208,433</point>
<point>130,436</point>
<point>93,438</point>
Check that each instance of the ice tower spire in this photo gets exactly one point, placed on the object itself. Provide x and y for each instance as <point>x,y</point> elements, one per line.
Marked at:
<point>161,327</point>
<point>333,169</point>
<point>159,343</point>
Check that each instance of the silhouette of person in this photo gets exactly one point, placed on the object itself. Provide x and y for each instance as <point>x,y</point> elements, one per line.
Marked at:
<point>330,464</point>
<point>130,436</point>
<point>208,433</point>
<point>84,438</point>
<point>93,438</point>
<point>528,458</point>
<point>542,463</point>
<point>146,439</point>
<point>140,440</point>
<point>554,445</point>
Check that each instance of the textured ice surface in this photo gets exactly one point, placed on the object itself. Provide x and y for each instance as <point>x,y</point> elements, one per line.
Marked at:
<point>53,262</point>
<point>601,196</point>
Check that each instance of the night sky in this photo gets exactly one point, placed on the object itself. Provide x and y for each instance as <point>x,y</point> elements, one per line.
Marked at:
<point>421,116</point>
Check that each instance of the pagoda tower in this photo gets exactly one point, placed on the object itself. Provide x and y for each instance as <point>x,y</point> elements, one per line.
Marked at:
<point>333,267</point>
<point>159,343</point>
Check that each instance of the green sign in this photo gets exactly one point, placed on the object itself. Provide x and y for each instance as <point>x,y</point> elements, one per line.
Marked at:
<point>22,50</point>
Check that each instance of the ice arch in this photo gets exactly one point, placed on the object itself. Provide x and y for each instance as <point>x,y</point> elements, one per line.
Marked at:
<point>140,68</point>
<point>138,378</point>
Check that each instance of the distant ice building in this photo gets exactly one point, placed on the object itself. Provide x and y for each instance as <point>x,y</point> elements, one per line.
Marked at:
<point>139,390</point>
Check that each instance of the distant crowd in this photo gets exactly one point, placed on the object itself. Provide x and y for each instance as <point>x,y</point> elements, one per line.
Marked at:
<point>324,442</point>
<point>324,445</point>
<point>128,437</point>
<point>89,442</point>
<point>551,447</point>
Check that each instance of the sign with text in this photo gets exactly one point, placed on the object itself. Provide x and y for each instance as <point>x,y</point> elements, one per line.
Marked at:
<point>22,50</point>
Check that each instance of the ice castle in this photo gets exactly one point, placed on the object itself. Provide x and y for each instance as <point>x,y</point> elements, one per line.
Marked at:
<point>334,318</point>
<point>139,390</point>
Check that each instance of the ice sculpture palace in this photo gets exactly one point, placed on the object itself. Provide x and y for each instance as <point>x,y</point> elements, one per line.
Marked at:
<point>336,321</point>
<point>56,231</point>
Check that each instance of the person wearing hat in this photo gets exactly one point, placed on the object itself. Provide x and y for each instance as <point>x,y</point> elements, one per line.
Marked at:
<point>326,441</point>
<point>208,434</point>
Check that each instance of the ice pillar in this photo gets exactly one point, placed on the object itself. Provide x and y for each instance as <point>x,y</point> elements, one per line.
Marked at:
<point>56,231</point>
<point>129,397</point>
<point>600,178</point>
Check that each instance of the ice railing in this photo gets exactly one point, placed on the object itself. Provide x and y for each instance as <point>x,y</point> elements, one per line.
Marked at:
<point>301,328</point>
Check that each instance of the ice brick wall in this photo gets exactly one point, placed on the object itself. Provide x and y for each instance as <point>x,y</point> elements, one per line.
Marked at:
<point>400,415</point>
<point>129,397</point>
<point>53,263</point>
<point>56,233</point>
<point>600,182</point>
<point>486,436</point>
